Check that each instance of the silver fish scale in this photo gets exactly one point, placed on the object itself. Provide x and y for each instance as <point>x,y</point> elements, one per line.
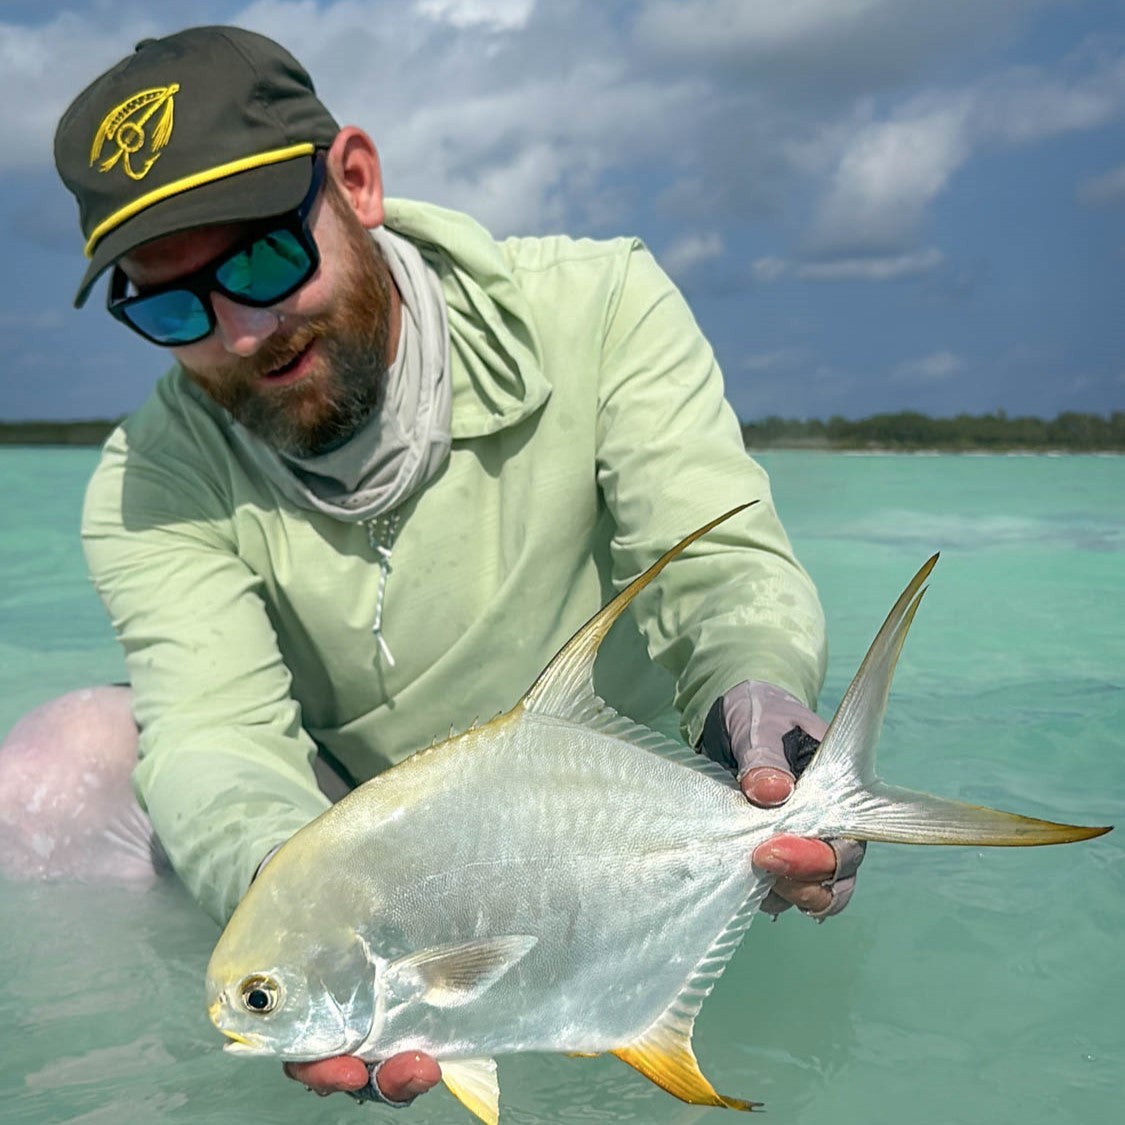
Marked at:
<point>658,854</point>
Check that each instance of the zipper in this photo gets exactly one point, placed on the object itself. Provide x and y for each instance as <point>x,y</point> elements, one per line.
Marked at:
<point>381,532</point>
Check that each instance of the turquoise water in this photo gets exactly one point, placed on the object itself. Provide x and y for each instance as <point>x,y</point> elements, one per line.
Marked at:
<point>960,987</point>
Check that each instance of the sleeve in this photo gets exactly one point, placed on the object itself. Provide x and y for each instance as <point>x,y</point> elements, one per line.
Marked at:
<point>225,770</point>
<point>736,605</point>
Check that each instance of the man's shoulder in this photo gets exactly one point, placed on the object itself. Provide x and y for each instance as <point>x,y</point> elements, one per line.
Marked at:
<point>466,240</point>
<point>560,251</point>
<point>175,422</point>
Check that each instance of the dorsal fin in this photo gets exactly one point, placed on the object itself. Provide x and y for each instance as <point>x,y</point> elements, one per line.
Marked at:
<point>567,683</point>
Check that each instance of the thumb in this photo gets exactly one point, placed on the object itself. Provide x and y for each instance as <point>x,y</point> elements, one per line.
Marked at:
<point>765,735</point>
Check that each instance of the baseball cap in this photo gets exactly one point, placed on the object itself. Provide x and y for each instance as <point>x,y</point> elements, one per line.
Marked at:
<point>209,125</point>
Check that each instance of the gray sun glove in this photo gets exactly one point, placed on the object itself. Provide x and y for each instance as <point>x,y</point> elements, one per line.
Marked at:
<point>372,1093</point>
<point>756,724</point>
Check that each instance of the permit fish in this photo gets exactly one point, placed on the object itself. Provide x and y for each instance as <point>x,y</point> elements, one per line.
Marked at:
<point>558,879</point>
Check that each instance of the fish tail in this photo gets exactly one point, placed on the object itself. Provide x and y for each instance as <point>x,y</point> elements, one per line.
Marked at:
<point>900,816</point>
<point>864,808</point>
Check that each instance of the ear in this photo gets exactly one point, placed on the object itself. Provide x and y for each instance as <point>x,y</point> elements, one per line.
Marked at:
<point>354,164</point>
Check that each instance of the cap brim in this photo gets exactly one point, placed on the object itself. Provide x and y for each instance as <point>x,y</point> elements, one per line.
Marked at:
<point>254,194</point>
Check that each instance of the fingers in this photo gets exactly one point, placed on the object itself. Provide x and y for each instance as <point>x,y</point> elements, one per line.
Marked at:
<point>814,899</point>
<point>797,858</point>
<point>816,876</point>
<point>403,1077</point>
<point>802,867</point>
<point>326,1076</point>
<point>399,1079</point>
<point>767,786</point>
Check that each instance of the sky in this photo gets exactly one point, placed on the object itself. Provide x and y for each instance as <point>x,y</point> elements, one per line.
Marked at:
<point>871,205</point>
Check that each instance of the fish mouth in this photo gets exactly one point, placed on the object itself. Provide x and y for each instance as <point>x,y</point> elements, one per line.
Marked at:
<point>240,1045</point>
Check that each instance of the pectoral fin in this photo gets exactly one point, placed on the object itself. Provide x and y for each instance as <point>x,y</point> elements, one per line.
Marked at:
<point>452,975</point>
<point>473,1083</point>
<point>665,1056</point>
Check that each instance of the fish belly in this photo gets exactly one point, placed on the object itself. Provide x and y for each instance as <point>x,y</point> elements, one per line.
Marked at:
<point>624,865</point>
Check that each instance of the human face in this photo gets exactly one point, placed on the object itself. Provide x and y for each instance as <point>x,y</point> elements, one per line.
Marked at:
<point>303,375</point>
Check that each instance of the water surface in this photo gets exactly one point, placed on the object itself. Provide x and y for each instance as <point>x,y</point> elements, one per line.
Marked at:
<point>961,987</point>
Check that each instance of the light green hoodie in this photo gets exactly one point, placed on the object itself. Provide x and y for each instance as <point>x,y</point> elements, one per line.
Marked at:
<point>590,433</point>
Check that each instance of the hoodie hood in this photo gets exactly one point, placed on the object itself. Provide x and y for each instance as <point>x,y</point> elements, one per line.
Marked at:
<point>497,368</point>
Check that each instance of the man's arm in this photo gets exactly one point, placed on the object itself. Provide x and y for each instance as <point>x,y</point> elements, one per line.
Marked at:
<point>225,767</point>
<point>736,606</point>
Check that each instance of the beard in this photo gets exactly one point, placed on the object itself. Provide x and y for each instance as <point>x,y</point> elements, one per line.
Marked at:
<point>319,412</point>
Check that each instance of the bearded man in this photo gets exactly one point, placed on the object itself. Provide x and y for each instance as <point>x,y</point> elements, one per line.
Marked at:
<point>394,465</point>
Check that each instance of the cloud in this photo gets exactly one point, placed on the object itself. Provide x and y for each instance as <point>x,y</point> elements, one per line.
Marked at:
<point>42,68</point>
<point>690,252</point>
<point>536,116</point>
<point>769,269</point>
<point>892,267</point>
<point>765,27</point>
<point>892,170</point>
<point>859,268</point>
<point>1106,190</point>
<point>889,174</point>
<point>823,48</point>
<point>501,15</point>
<point>780,359</point>
<point>933,368</point>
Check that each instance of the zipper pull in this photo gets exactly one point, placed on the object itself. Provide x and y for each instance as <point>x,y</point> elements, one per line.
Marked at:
<point>381,532</point>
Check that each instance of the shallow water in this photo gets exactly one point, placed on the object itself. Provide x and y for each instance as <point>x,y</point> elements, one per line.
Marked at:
<point>961,986</point>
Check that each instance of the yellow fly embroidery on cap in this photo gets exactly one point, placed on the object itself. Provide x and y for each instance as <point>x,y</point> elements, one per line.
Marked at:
<point>125,126</point>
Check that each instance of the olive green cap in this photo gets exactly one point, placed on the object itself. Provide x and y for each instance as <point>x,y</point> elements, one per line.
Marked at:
<point>209,125</point>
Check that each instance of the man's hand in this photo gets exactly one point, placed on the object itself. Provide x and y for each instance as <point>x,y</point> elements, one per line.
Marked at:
<point>398,1080</point>
<point>766,738</point>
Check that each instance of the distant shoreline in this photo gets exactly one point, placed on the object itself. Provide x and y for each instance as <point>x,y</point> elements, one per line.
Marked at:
<point>906,432</point>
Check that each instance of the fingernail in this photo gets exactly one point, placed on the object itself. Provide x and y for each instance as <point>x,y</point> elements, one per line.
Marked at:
<point>772,860</point>
<point>771,787</point>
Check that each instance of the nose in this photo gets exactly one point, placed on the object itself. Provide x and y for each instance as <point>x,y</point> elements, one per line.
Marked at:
<point>242,328</point>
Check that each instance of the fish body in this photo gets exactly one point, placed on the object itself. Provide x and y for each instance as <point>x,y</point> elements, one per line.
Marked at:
<point>560,879</point>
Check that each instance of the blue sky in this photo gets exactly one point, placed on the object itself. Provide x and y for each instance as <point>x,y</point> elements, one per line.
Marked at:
<point>872,205</point>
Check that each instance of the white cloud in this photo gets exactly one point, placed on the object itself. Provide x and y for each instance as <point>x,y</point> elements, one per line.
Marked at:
<point>889,174</point>
<point>760,26</point>
<point>501,15</point>
<point>486,120</point>
<point>691,251</point>
<point>875,268</point>
<point>534,116</point>
<point>870,267</point>
<point>766,270</point>
<point>1106,190</point>
<point>780,360</point>
<point>892,170</point>
<point>42,68</point>
<point>933,368</point>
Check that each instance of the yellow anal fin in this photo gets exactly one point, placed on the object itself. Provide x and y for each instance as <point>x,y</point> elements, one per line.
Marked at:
<point>670,1062</point>
<point>473,1083</point>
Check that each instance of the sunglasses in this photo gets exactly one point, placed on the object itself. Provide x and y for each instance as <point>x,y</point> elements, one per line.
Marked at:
<point>261,269</point>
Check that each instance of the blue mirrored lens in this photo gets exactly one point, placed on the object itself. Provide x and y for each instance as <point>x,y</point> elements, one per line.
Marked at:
<point>267,269</point>
<point>175,317</point>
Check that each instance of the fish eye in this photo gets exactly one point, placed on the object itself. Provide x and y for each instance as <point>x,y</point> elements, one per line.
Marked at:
<point>260,995</point>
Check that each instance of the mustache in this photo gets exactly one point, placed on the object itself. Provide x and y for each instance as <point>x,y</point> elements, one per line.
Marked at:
<point>276,352</point>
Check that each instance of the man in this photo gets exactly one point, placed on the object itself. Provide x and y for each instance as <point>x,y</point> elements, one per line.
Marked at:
<point>396,464</point>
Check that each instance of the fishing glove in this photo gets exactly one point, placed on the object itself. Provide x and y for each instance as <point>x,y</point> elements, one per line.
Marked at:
<point>372,1093</point>
<point>756,724</point>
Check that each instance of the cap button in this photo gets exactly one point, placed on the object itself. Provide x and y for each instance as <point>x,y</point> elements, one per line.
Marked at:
<point>144,43</point>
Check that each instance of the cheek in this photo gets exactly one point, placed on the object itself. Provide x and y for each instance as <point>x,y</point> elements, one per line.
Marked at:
<point>199,357</point>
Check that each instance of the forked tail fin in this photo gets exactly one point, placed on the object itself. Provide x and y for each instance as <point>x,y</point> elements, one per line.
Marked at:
<point>864,808</point>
